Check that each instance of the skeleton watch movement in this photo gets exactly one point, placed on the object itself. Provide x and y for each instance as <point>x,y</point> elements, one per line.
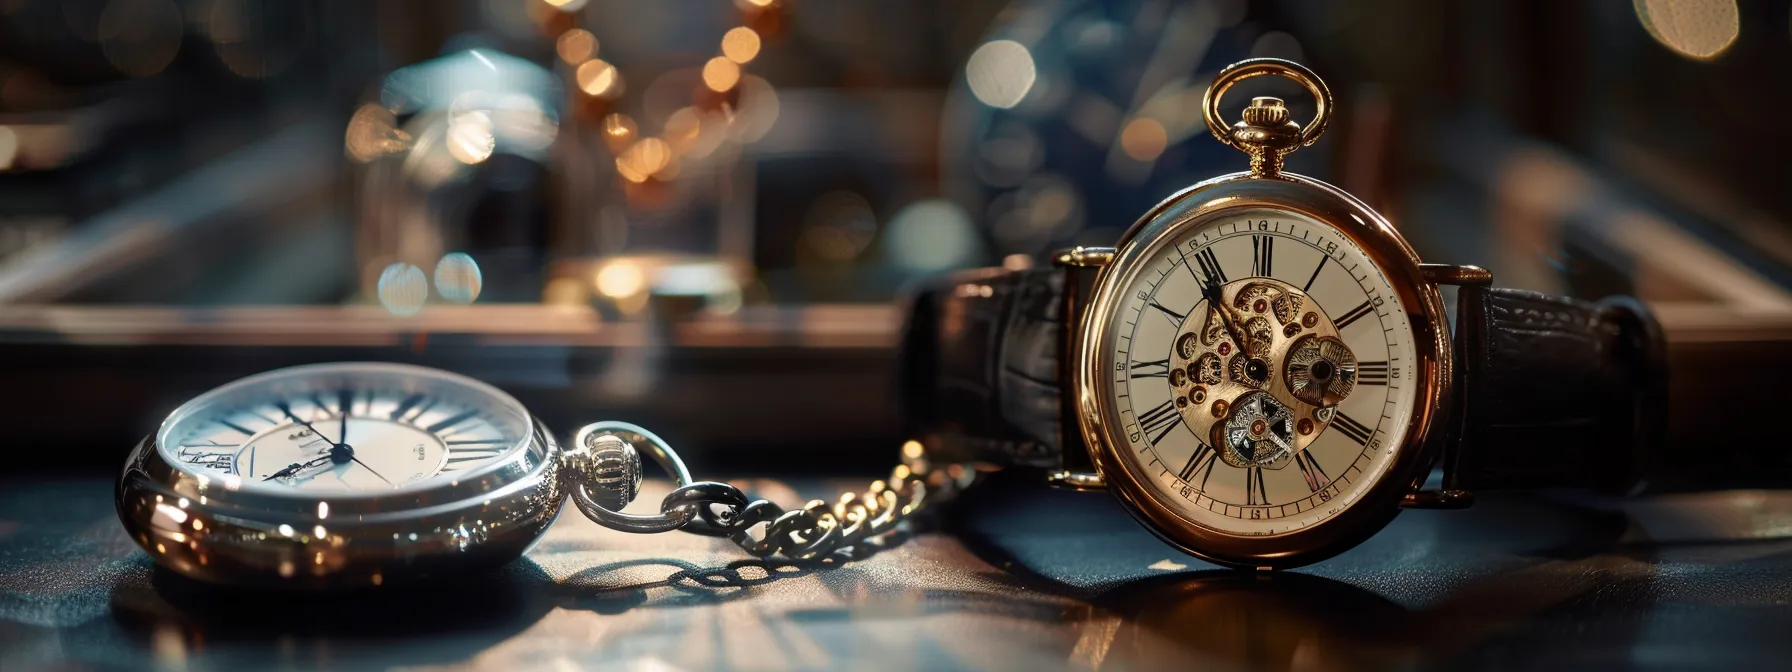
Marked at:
<point>1263,371</point>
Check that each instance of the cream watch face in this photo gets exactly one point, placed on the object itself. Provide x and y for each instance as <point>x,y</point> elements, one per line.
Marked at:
<point>1263,371</point>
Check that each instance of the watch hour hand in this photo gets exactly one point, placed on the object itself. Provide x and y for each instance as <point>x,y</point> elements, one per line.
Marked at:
<point>296,467</point>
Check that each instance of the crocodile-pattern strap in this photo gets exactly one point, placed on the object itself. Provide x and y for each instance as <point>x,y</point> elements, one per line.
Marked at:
<point>979,370</point>
<point>1561,393</point>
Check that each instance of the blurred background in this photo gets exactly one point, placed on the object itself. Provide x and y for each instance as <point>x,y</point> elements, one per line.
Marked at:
<point>698,214</point>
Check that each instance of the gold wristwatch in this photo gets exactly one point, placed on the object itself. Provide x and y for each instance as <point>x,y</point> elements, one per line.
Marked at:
<point>1262,369</point>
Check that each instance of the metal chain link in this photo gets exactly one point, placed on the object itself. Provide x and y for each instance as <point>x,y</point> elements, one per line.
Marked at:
<point>819,531</point>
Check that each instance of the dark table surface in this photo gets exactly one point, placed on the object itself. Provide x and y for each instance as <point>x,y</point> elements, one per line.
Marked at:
<point>1014,576</point>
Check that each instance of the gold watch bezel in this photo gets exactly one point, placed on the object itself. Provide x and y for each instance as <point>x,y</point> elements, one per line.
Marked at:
<point>1433,379</point>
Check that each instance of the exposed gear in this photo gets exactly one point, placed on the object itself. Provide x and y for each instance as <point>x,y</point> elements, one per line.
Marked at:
<point>1213,329</point>
<point>1261,333</point>
<point>1264,297</point>
<point>1187,347</point>
<point>1206,370</point>
<point>1260,433</point>
<point>1240,370</point>
<point>1321,370</point>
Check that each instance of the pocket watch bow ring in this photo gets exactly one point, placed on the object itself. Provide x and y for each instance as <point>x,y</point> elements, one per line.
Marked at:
<point>356,474</point>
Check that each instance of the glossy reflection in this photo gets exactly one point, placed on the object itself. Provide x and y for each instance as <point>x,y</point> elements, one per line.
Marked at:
<point>1257,621</point>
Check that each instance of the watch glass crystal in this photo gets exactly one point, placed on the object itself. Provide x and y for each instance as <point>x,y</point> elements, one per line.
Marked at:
<point>343,429</point>
<point>1263,371</point>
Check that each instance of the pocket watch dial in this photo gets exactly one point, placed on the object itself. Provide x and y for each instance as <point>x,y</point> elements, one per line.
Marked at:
<point>343,428</point>
<point>1295,358</point>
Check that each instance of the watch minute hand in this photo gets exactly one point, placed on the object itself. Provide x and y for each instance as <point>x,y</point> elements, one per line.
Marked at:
<point>1212,293</point>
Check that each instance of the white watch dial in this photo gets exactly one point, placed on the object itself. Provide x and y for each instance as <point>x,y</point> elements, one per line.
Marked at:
<point>1278,405</point>
<point>363,428</point>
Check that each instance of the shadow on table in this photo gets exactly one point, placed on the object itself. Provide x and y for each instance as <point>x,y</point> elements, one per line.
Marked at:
<point>1516,581</point>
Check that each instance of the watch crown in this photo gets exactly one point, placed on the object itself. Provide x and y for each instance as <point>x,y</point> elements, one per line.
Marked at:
<point>1266,111</point>
<point>608,467</point>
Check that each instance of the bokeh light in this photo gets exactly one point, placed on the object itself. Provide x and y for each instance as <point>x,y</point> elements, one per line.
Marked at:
<point>576,46</point>
<point>740,45</point>
<point>619,131</point>
<point>1144,139</point>
<point>458,278</point>
<point>839,225</point>
<point>9,147</point>
<point>683,128</point>
<point>931,235</point>
<point>1697,29</point>
<point>256,38</point>
<point>1001,73</point>
<point>597,77</point>
<point>621,279</point>
<point>403,289</point>
<point>470,138</point>
<point>721,74</point>
<point>372,133</point>
<point>644,159</point>
<point>566,5</point>
<point>140,37</point>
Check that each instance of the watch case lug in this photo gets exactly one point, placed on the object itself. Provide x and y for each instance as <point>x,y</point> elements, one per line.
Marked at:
<point>1472,282</point>
<point>1438,499</point>
<point>1080,481</point>
<point>1083,257</point>
<point>1460,276</point>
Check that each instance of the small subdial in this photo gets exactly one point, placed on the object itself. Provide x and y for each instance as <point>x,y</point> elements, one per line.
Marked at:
<point>1321,370</point>
<point>1260,433</point>
<point>1238,350</point>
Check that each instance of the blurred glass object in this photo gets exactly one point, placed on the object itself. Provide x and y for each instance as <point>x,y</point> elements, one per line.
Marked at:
<point>467,168</point>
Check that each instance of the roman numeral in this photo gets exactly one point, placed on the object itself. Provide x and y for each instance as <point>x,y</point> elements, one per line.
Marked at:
<point>451,421</point>
<point>1316,269</point>
<point>1199,463</point>
<point>417,410</point>
<point>1309,467</point>
<point>236,427</point>
<point>1175,317</point>
<point>1372,373</point>
<point>1157,369</point>
<point>1355,314</point>
<point>1161,419</point>
<point>1255,493</point>
<point>321,408</point>
<point>1262,249</point>
<point>1353,429</point>
<point>345,402</point>
<point>407,404</point>
<point>1211,273</point>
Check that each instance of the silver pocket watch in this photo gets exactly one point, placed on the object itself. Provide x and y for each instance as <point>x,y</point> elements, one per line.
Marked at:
<point>356,474</point>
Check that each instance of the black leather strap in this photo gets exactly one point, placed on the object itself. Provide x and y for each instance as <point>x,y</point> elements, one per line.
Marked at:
<point>1560,392</point>
<point>980,377</point>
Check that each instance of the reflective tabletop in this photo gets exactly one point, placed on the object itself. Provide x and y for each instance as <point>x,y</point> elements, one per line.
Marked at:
<point>1014,576</point>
